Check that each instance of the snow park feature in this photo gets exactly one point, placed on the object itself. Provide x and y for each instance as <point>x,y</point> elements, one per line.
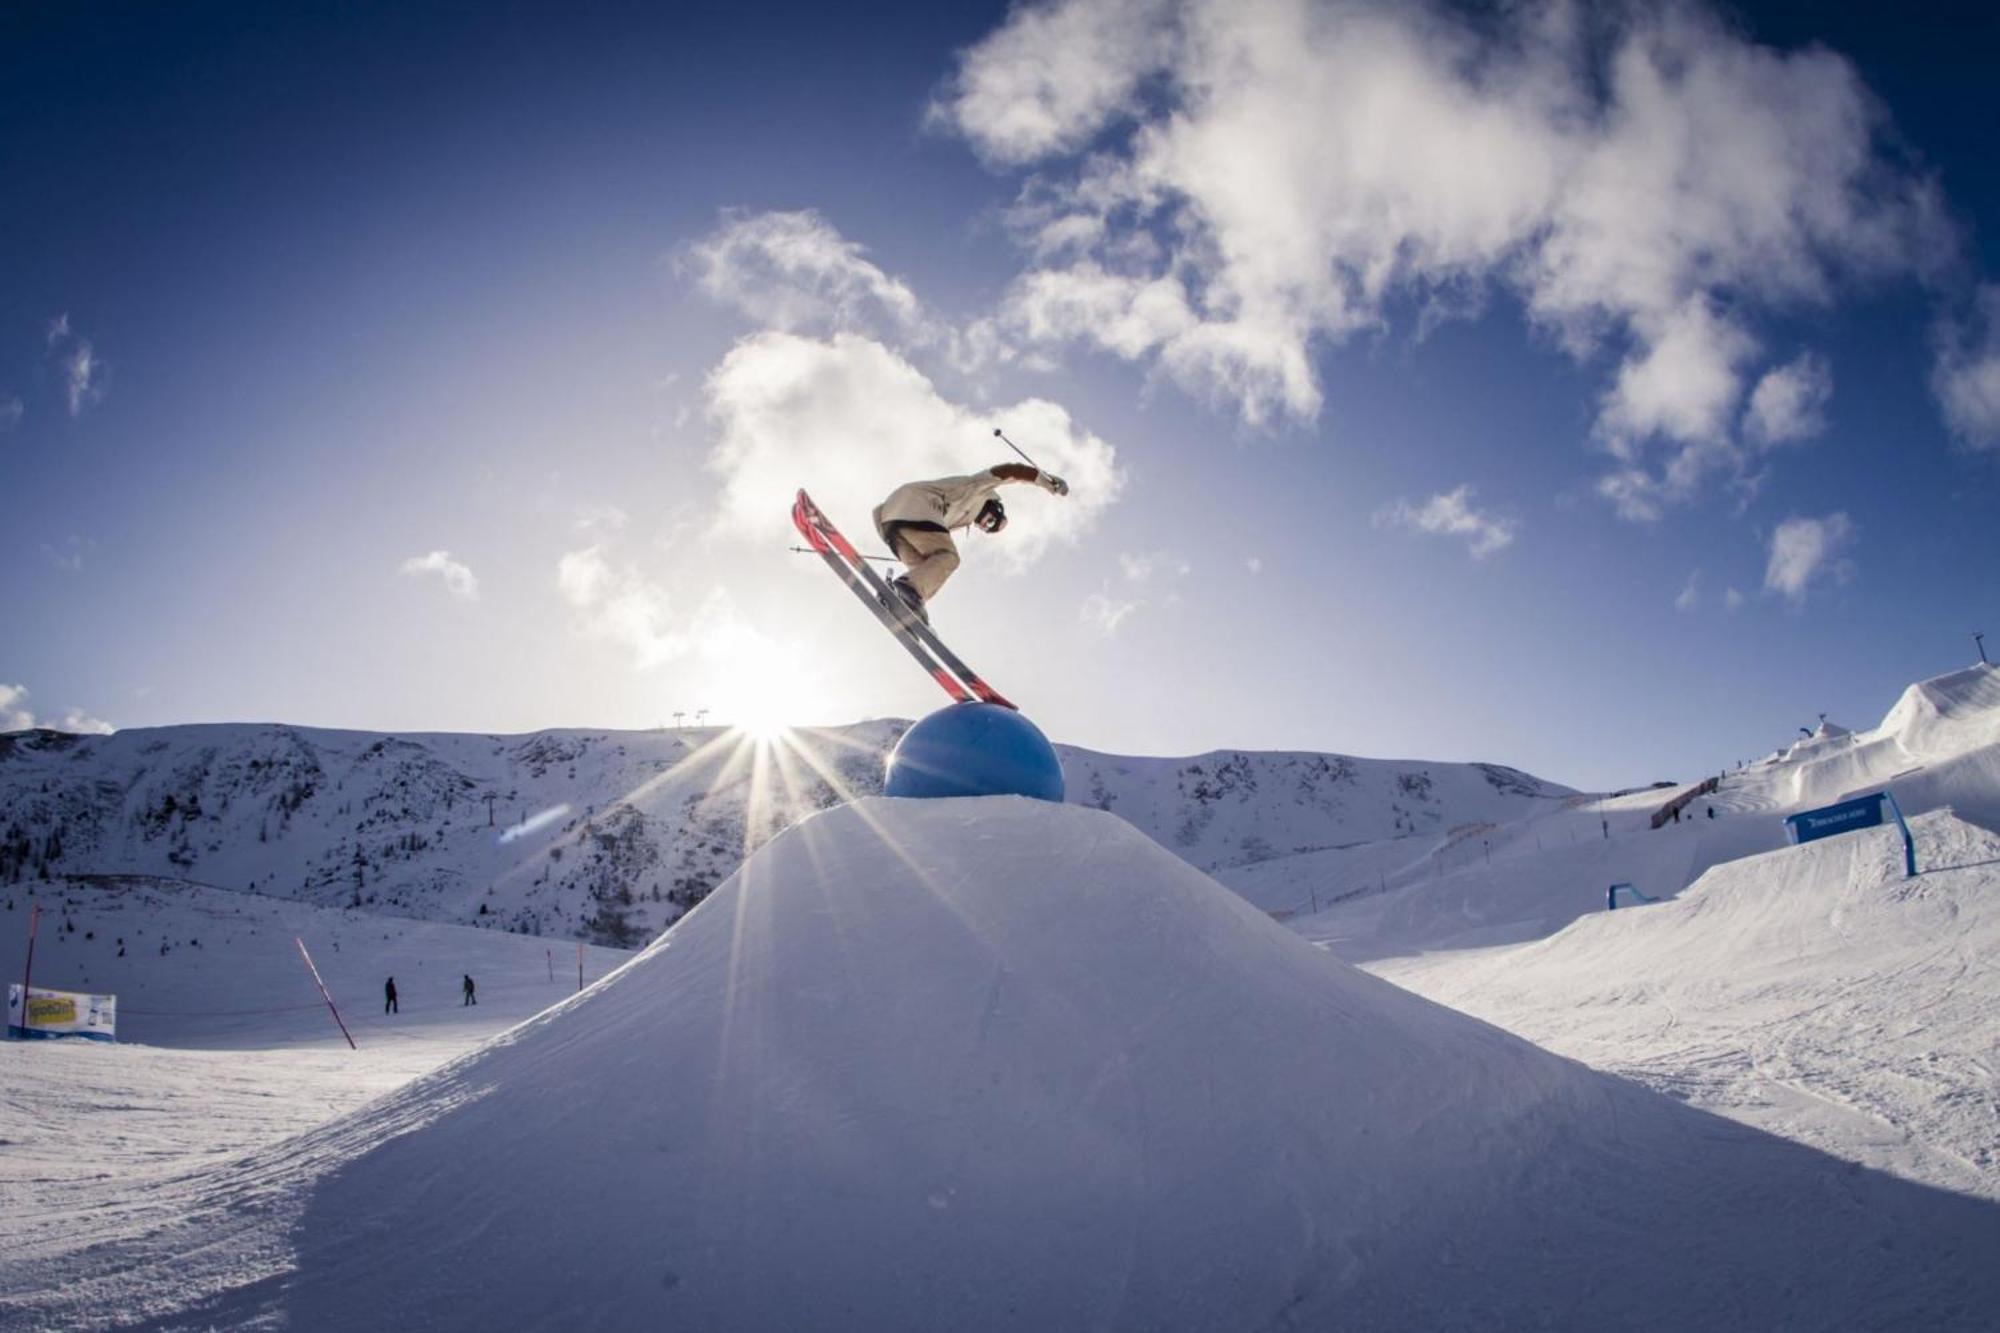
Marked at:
<point>974,749</point>
<point>1102,1092</point>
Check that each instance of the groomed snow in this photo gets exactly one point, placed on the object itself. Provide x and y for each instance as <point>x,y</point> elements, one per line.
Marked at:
<point>1003,1065</point>
<point>1812,991</point>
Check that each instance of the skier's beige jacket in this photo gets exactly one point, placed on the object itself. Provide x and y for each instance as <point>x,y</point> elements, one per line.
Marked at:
<point>950,502</point>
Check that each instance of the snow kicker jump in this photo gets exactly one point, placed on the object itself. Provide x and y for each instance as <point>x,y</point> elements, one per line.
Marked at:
<point>944,666</point>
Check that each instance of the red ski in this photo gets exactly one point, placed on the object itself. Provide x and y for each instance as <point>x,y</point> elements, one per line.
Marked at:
<point>951,673</point>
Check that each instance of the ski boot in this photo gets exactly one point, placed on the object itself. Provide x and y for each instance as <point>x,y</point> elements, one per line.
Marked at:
<point>905,602</point>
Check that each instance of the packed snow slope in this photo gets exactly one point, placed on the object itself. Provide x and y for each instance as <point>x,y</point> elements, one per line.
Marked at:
<point>997,1064</point>
<point>1813,991</point>
<point>200,967</point>
<point>224,1042</point>
<point>610,836</point>
<point>1526,877</point>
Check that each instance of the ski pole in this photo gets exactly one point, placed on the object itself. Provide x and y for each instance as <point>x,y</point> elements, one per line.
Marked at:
<point>807,550</point>
<point>1017,449</point>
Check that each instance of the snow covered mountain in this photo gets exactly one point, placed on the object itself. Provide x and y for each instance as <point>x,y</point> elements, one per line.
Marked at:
<point>606,835</point>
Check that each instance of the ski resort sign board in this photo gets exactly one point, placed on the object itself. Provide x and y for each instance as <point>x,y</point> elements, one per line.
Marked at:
<point>61,1013</point>
<point>1847,816</point>
<point>1861,812</point>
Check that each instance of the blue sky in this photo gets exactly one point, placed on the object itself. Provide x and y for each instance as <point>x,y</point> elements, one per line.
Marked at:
<point>1604,394</point>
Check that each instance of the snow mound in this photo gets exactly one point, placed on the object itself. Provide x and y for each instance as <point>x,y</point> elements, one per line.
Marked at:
<point>998,1064</point>
<point>1933,715</point>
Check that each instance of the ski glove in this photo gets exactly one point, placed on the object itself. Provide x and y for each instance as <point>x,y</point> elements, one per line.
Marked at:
<point>1055,485</point>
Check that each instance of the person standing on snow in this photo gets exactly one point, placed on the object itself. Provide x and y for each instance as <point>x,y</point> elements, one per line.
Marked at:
<point>389,997</point>
<point>918,518</point>
<point>471,994</point>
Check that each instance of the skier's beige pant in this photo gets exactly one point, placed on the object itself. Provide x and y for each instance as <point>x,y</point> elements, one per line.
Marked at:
<point>928,558</point>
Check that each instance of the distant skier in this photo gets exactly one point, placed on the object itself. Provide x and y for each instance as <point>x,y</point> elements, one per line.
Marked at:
<point>389,997</point>
<point>470,996</point>
<point>918,518</point>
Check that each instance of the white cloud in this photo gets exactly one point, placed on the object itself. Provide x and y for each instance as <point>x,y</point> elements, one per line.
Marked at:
<point>621,606</point>
<point>1052,75</point>
<point>849,419</point>
<point>1452,514</point>
<point>1789,403</point>
<point>1732,599</point>
<point>1105,612</point>
<point>1690,594</point>
<point>1805,549</point>
<point>1149,579</point>
<point>605,519</point>
<point>1255,564</point>
<point>82,377</point>
<point>68,555</point>
<point>458,577</point>
<point>1684,386</point>
<point>15,715</point>
<point>82,371</point>
<point>14,712</point>
<point>795,272</point>
<point>11,411</point>
<point>1224,186</point>
<point>1144,567</point>
<point>1966,377</point>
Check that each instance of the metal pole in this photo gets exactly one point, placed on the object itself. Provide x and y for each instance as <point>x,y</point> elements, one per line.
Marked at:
<point>28,975</point>
<point>884,559</point>
<point>1979,642</point>
<point>323,993</point>
<point>1017,449</point>
<point>1909,846</point>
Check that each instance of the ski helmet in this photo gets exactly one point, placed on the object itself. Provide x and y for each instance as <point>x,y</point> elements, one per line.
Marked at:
<point>992,515</point>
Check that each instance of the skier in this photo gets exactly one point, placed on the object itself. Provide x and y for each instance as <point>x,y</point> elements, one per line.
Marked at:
<point>470,997</point>
<point>389,997</point>
<point>918,518</point>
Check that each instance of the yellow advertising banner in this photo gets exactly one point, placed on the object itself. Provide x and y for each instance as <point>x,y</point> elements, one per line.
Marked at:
<point>61,1013</point>
<point>51,1012</point>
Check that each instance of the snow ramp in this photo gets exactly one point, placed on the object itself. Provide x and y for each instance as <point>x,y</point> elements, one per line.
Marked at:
<point>997,1064</point>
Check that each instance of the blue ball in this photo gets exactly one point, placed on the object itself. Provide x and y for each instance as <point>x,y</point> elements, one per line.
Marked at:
<point>975,749</point>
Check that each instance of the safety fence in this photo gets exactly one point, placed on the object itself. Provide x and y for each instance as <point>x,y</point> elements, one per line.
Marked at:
<point>1680,802</point>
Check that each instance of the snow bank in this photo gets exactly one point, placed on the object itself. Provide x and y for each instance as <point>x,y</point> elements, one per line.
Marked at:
<point>1812,991</point>
<point>997,1064</point>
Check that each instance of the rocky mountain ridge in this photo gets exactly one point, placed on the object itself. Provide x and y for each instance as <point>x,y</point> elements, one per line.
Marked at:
<point>611,835</point>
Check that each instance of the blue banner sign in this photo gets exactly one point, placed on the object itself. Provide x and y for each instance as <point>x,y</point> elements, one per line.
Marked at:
<point>1861,812</point>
